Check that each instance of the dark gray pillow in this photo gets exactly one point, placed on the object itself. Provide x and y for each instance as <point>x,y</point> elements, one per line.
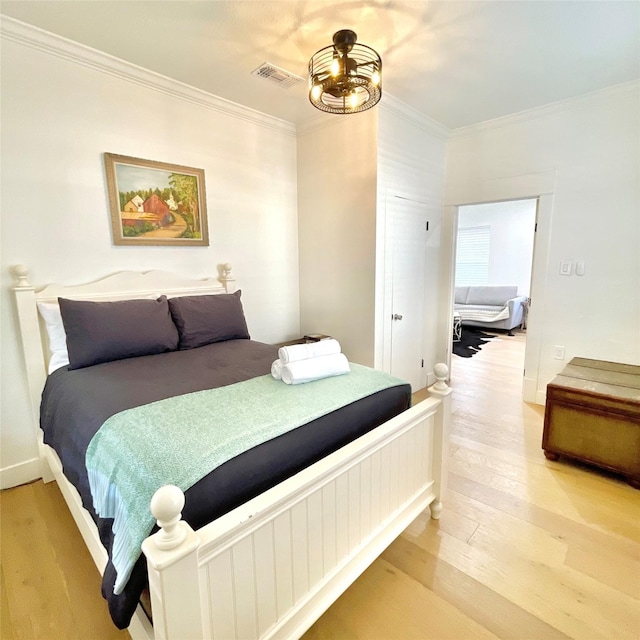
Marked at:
<point>104,331</point>
<point>205,319</point>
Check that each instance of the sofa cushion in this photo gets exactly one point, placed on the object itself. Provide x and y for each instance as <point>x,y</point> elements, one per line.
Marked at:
<point>491,295</point>
<point>461,295</point>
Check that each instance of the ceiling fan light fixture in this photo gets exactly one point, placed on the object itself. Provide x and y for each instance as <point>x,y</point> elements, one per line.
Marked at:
<point>345,77</point>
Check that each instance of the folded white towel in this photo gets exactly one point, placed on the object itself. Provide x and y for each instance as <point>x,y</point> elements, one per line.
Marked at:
<point>296,352</point>
<point>276,369</point>
<point>302,371</point>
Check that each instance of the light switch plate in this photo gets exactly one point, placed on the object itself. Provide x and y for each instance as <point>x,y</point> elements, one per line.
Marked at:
<point>565,267</point>
<point>580,268</point>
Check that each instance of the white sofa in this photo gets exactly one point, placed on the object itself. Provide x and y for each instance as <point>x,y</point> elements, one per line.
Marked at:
<point>490,306</point>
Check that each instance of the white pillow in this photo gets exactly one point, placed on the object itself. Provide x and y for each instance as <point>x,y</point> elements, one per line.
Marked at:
<point>50,312</point>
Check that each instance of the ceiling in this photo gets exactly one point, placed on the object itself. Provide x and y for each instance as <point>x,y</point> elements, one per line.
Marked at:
<point>458,62</point>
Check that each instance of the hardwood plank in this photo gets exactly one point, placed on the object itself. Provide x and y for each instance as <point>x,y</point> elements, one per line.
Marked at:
<point>513,498</point>
<point>614,565</point>
<point>52,585</point>
<point>622,552</point>
<point>29,570</point>
<point>588,608</point>
<point>552,495</point>
<point>6,627</point>
<point>492,611</point>
<point>387,604</point>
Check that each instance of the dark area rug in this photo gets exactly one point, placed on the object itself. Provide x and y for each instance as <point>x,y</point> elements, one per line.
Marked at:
<point>470,342</point>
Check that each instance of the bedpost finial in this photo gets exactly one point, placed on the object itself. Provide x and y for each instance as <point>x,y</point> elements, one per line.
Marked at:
<point>441,372</point>
<point>226,278</point>
<point>166,506</point>
<point>21,272</point>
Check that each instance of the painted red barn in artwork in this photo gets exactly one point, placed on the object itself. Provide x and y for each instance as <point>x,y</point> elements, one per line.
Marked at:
<point>156,205</point>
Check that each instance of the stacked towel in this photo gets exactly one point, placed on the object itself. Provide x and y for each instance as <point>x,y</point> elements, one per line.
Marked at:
<point>276,369</point>
<point>296,352</point>
<point>302,371</point>
<point>300,363</point>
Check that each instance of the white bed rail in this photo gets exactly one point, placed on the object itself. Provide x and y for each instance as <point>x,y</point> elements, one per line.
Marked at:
<point>270,568</point>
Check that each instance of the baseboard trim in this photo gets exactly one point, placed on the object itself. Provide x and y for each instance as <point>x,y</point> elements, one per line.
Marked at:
<point>530,392</point>
<point>20,473</point>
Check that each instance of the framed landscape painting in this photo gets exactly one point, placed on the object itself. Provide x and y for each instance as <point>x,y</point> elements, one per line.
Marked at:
<point>155,203</point>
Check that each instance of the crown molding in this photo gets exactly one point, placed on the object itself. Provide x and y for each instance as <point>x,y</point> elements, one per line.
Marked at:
<point>318,121</point>
<point>393,105</point>
<point>551,109</point>
<point>54,45</point>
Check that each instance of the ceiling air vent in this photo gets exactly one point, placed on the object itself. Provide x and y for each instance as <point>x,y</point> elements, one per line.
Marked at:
<point>282,78</point>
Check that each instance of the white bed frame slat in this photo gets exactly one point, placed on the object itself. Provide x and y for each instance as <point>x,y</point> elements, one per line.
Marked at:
<point>272,566</point>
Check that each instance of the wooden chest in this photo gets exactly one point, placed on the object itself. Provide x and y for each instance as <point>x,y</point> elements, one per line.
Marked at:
<point>592,414</point>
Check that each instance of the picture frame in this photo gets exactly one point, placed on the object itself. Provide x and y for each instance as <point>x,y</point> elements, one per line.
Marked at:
<point>156,203</point>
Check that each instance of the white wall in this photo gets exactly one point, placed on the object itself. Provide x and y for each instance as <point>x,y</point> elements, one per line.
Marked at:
<point>59,115</point>
<point>511,246</point>
<point>347,167</point>
<point>584,155</point>
<point>337,224</point>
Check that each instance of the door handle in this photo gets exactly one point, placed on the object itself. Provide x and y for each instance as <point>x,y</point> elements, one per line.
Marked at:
<point>396,316</point>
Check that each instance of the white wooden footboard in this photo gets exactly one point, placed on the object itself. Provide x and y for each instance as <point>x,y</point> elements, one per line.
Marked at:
<point>271,567</point>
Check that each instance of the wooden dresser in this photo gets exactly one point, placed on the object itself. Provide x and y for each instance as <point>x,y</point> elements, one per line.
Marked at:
<point>592,414</point>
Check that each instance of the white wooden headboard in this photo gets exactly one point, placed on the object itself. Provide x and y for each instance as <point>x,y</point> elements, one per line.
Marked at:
<point>124,285</point>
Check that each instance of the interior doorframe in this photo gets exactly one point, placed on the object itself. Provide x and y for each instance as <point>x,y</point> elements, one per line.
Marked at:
<point>540,270</point>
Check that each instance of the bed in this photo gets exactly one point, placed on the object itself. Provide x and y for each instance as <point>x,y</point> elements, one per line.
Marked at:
<point>279,551</point>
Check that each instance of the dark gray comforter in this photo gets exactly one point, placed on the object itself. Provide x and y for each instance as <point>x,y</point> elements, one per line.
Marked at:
<point>76,403</point>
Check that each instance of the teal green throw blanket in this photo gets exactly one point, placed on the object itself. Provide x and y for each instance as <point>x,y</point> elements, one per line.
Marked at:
<point>181,439</point>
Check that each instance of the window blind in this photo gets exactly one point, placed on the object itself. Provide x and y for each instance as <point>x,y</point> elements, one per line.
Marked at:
<point>472,255</point>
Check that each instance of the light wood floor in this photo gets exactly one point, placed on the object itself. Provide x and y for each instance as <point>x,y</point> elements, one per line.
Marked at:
<point>526,549</point>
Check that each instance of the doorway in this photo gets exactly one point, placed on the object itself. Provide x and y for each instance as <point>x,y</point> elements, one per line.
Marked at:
<point>494,247</point>
<point>540,266</point>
